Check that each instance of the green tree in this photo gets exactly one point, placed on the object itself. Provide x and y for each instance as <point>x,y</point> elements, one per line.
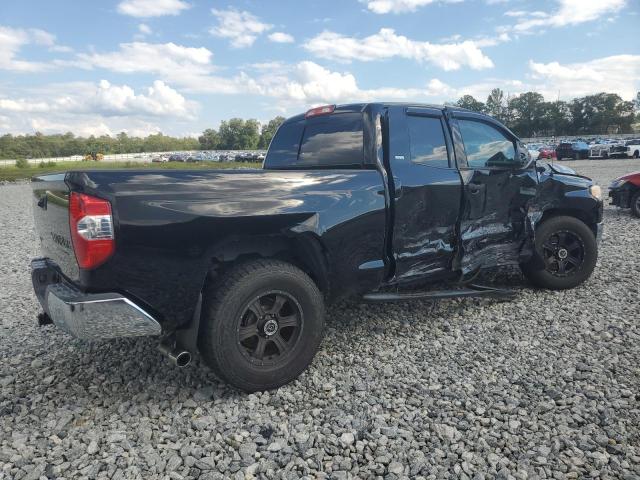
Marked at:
<point>268,131</point>
<point>528,110</point>
<point>470,103</point>
<point>556,118</point>
<point>496,105</point>
<point>238,134</point>
<point>209,140</point>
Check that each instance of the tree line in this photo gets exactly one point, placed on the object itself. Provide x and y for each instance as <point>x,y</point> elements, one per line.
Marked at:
<point>529,115</point>
<point>234,134</point>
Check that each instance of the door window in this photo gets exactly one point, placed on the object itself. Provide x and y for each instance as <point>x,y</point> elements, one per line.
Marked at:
<point>486,146</point>
<point>426,140</point>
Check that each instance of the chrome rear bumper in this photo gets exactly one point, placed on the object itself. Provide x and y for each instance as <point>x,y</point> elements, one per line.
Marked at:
<point>88,316</point>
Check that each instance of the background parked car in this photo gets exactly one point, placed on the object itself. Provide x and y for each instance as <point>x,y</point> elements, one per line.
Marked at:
<point>177,157</point>
<point>632,148</point>
<point>577,150</point>
<point>547,152</point>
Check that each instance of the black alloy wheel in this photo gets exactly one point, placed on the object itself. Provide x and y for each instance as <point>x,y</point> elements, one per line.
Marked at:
<point>563,253</point>
<point>270,327</point>
<point>262,323</point>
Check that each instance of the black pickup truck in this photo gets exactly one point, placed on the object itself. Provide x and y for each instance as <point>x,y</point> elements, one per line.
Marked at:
<point>380,201</point>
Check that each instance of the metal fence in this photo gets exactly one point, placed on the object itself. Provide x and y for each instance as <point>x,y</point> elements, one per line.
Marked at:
<point>573,138</point>
<point>145,157</point>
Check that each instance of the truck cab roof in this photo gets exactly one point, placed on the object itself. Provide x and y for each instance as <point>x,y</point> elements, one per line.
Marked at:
<point>359,107</point>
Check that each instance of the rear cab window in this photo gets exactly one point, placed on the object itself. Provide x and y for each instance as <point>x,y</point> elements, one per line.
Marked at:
<point>326,141</point>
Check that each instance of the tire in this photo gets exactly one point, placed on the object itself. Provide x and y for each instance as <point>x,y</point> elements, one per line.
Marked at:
<point>559,241</point>
<point>635,204</point>
<point>240,311</point>
<point>576,156</point>
<point>636,154</point>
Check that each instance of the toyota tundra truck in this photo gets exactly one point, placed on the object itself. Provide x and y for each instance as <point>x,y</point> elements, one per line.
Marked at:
<point>380,202</point>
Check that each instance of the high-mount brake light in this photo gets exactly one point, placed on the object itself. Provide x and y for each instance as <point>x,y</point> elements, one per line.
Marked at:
<point>324,110</point>
<point>91,224</point>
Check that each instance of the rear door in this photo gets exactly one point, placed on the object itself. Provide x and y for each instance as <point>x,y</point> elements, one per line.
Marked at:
<point>428,191</point>
<point>497,193</point>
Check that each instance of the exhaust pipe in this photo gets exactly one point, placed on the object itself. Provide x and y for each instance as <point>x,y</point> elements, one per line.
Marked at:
<point>178,356</point>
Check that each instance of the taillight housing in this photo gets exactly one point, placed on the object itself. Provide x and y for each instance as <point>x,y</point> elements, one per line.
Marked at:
<point>324,110</point>
<point>91,224</point>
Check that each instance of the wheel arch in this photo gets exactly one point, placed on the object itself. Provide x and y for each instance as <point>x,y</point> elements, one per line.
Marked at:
<point>304,251</point>
<point>584,216</point>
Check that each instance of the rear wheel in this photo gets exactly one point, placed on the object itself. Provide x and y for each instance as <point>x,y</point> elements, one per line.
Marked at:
<point>565,254</point>
<point>636,154</point>
<point>262,325</point>
<point>635,204</point>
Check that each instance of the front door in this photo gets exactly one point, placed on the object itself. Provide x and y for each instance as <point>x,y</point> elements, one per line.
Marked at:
<point>428,192</point>
<point>497,193</point>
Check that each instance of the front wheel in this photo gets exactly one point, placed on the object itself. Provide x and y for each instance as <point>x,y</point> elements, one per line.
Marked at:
<point>262,325</point>
<point>635,204</point>
<point>565,254</point>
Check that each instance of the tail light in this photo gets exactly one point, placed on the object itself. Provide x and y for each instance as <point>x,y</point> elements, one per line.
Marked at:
<point>91,226</point>
<point>324,110</point>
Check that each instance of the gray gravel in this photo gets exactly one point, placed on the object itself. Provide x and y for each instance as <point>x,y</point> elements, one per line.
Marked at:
<point>546,386</point>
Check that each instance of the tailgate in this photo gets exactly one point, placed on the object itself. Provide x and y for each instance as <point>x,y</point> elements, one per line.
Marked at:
<point>51,214</point>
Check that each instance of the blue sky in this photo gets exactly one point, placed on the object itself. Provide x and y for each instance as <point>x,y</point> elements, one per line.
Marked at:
<point>180,66</point>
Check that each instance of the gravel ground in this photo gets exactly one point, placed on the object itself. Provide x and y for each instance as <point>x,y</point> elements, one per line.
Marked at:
<point>545,386</point>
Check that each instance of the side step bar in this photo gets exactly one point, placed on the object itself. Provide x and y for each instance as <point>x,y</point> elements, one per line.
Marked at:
<point>470,291</point>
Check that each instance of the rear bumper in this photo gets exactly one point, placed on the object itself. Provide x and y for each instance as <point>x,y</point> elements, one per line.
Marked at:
<point>88,316</point>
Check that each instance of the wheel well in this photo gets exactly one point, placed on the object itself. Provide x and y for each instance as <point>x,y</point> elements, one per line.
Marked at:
<point>304,251</point>
<point>570,212</point>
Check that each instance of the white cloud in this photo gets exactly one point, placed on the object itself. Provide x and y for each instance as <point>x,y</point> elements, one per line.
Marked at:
<point>81,129</point>
<point>86,108</point>
<point>13,39</point>
<point>281,37</point>
<point>152,8</point>
<point>144,29</point>
<point>241,28</point>
<point>397,6</point>
<point>618,74</point>
<point>569,12</point>
<point>105,99</point>
<point>160,100</point>
<point>166,59</point>
<point>386,44</point>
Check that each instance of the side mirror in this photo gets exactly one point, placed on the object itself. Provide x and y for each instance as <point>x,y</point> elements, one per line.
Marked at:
<point>524,159</point>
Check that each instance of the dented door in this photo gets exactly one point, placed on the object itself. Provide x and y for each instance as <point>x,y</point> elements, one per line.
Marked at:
<point>497,194</point>
<point>428,191</point>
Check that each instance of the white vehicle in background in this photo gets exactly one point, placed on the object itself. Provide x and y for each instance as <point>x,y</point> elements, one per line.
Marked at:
<point>633,148</point>
<point>599,149</point>
<point>607,149</point>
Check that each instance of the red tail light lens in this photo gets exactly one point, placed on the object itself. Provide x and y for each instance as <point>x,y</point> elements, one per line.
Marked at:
<point>324,110</point>
<point>91,226</point>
